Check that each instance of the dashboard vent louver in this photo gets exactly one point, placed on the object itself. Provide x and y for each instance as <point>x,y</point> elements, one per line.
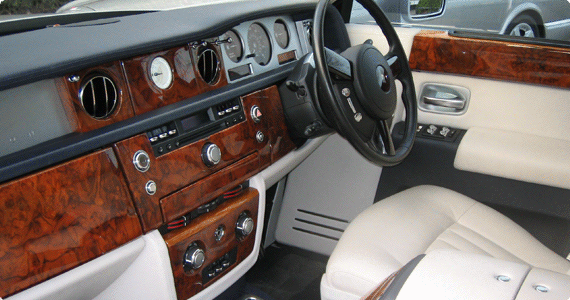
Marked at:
<point>209,66</point>
<point>99,96</point>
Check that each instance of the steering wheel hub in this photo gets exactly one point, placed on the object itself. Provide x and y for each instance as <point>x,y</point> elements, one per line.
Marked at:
<point>374,82</point>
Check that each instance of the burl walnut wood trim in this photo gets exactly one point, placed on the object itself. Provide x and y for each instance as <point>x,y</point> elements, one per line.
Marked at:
<point>222,79</point>
<point>203,191</point>
<point>439,52</point>
<point>179,168</point>
<point>272,123</point>
<point>201,230</point>
<point>62,217</point>
<point>69,93</point>
<point>182,167</point>
<point>147,96</point>
<point>382,288</point>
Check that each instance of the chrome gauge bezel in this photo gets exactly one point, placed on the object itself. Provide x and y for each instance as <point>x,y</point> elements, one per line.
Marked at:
<point>165,78</point>
<point>264,35</point>
<point>287,34</point>
<point>240,43</point>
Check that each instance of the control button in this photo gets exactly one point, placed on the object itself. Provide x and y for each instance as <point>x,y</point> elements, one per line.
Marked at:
<point>160,150</point>
<point>153,139</point>
<point>345,92</point>
<point>221,113</point>
<point>141,160</point>
<point>235,108</point>
<point>219,269</point>
<point>211,274</point>
<point>150,187</point>
<point>444,131</point>
<point>259,136</point>
<point>228,110</point>
<point>302,93</point>
<point>503,278</point>
<point>431,130</point>
<point>211,154</point>
<point>172,132</point>
<point>228,124</point>
<point>234,120</point>
<point>169,147</point>
<point>241,117</point>
<point>420,127</point>
<point>220,232</point>
<point>163,135</point>
<point>256,114</point>
<point>244,225</point>
<point>225,263</point>
<point>194,257</point>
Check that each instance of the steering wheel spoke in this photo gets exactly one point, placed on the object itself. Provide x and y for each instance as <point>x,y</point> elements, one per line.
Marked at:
<point>394,63</point>
<point>386,137</point>
<point>338,65</point>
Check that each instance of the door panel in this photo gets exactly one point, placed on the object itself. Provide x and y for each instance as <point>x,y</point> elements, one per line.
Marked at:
<point>521,111</point>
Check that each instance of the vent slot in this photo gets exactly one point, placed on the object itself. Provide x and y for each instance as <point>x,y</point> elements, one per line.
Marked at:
<point>99,97</point>
<point>209,66</point>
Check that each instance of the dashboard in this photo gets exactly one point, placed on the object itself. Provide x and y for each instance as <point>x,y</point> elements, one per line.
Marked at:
<point>163,141</point>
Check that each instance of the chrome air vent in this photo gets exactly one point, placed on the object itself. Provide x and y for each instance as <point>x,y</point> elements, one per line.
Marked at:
<point>209,66</point>
<point>99,96</point>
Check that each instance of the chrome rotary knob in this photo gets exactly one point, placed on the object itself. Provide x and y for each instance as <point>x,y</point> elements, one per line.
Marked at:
<point>141,160</point>
<point>194,257</point>
<point>211,154</point>
<point>244,225</point>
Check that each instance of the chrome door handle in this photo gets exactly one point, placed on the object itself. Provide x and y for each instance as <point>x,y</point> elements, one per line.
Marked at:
<point>443,98</point>
<point>451,103</point>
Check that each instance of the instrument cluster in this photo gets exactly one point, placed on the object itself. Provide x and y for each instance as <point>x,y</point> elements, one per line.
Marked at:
<point>258,46</point>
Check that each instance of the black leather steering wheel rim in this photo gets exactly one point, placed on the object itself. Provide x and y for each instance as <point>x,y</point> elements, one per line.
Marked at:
<point>343,124</point>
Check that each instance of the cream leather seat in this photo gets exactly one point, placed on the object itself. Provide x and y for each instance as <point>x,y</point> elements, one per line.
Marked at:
<point>393,231</point>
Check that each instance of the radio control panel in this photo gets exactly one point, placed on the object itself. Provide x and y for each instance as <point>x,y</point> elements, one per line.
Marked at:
<point>188,129</point>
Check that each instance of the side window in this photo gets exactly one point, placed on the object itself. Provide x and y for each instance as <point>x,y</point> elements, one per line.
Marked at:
<point>548,19</point>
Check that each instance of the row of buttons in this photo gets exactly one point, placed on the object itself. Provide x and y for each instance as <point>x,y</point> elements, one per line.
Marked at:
<point>219,266</point>
<point>161,133</point>
<point>221,113</point>
<point>441,132</point>
<point>235,120</point>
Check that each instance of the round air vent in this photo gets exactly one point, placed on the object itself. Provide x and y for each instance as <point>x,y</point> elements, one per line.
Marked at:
<point>209,66</point>
<point>99,96</point>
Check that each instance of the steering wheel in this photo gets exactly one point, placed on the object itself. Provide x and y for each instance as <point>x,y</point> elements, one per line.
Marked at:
<point>359,99</point>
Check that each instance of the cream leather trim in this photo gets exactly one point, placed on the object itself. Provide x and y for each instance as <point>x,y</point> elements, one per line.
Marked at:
<point>419,220</point>
<point>513,155</point>
<point>448,274</point>
<point>558,285</point>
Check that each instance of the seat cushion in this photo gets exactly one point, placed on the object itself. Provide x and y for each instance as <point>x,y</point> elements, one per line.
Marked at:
<point>393,231</point>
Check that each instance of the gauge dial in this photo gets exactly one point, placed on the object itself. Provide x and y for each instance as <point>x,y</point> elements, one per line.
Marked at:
<point>259,44</point>
<point>234,47</point>
<point>281,34</point>
<point>161,73</point>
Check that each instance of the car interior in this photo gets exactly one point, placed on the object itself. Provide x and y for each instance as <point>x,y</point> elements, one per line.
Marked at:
<point>277,150</point>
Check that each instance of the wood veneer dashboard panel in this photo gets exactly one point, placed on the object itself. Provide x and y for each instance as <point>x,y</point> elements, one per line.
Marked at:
<point>184,166</point>
<point>69,93</point>
<point>439,52</point>
<point>59,218</point>
<point>186,79</point>
<point>201,230</point>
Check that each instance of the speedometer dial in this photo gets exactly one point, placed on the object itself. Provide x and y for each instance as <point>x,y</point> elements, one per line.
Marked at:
<point>259,44</point>
<point>281,34</point>
<point>234,48</point>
